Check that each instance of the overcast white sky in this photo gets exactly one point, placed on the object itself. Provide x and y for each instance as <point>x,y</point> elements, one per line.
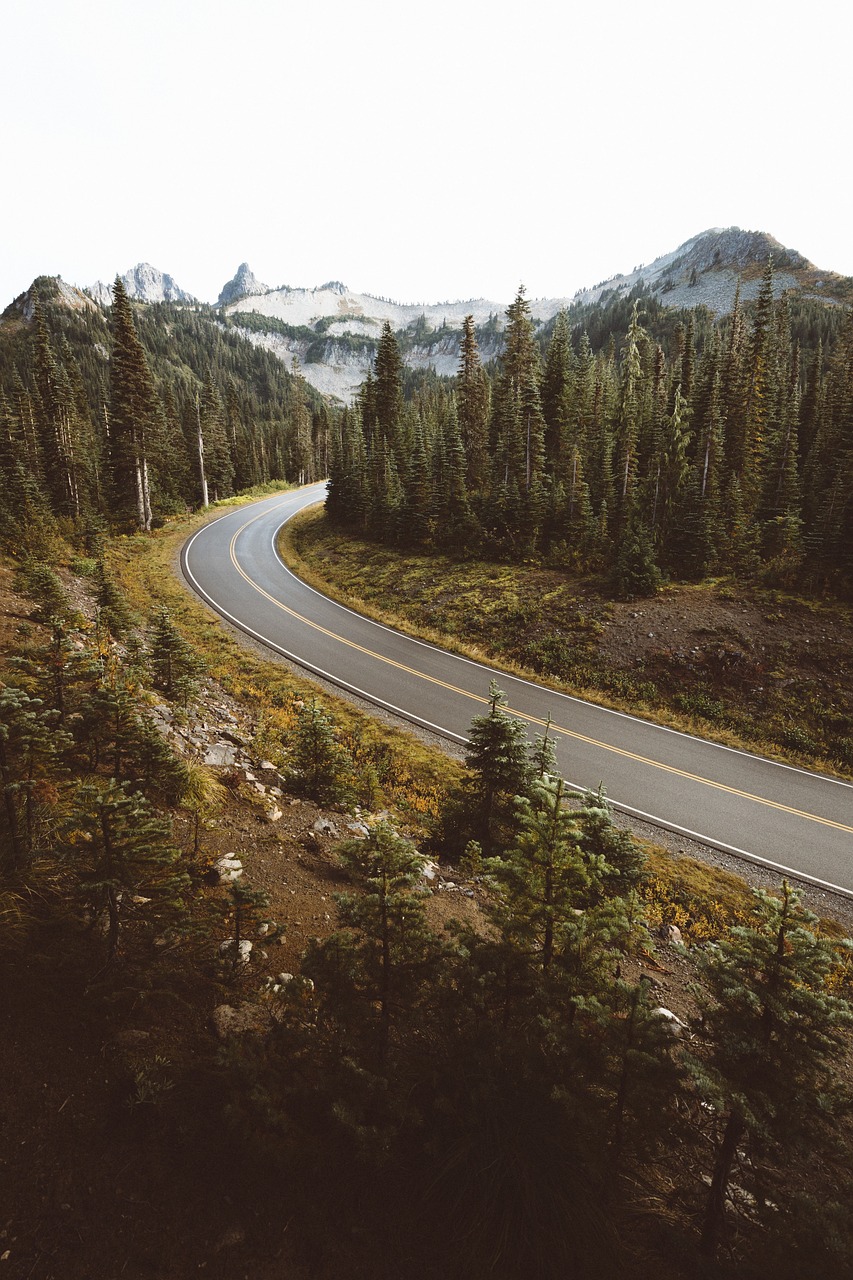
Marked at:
<point>446,151</point>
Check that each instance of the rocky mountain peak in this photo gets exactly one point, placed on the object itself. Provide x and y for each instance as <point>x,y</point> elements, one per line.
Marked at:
<point>48,290</point>
<point>144,283</point>
<point>243,284</point>
<point>722,247</point>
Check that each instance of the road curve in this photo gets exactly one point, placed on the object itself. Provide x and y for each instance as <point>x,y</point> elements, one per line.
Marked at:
<point>786,818</point>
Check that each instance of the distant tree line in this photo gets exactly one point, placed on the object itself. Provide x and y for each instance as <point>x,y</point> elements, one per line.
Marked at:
<point>717,447</point>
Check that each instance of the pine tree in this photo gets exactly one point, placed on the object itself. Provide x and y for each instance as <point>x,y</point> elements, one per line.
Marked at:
<point>455,524</point>
<point>322,767</point>
<point>132,416</point>
<point>31,747</point>
<point>556,393</point>
<point>672,469</point>
<point>472,398</point>
<point>628,426</point>
<point>302,467</point>
<point>638,1063</point>
<point>124,862</point>
<point>635,572</point>
<point>388,386</point>
<point>518,424</point>
<point>58,428</point>
<point>218,463</point>
<point>386,952</point>
<point>542,877</point>
<point>773,1029</point>
<point>500,770</point>
<point>175,666</point>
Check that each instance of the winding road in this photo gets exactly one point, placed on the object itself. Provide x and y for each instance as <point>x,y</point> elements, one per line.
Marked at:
<point>785,818</point>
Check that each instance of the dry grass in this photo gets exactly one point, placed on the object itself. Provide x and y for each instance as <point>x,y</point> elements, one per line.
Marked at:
<point>413,776</point>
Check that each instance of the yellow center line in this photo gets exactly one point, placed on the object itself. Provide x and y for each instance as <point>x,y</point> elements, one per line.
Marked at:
<point>522,715</point>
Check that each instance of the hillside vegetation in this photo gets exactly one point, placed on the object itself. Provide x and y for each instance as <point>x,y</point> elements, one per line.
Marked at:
<point>486,1041</point>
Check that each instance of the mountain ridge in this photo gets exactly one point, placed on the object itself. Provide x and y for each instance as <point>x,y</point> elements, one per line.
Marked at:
<point>332,330</point>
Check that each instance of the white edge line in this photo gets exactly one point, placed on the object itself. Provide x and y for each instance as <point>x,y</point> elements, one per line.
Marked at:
<point>309,666</point>
<point>449,733</point>
<point>568,697</point>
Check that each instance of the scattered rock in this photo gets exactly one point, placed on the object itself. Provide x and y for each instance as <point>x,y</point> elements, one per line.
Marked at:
<point>228,868</point>
<point>244,951</point>
<point>676,1026</point>
<point>274,814</point>
<point>325,827</point>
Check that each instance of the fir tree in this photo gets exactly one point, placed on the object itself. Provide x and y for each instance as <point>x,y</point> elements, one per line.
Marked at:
<point>500,770</point>
<point>472,397</point>
<point>385,952</point>
<point>31,748</point>
<point>321,766</point>
<point>542,876</point>
<point>175,666</point>
<point>124,862</point>
<point>132,416</point>
<point>773,1028</point>
<point>388,386</point>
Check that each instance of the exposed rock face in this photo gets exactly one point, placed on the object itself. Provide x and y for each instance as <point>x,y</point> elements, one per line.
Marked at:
<point>732,247</point>
<point>242,285</point>
<point>707,270</point>
<point>144,283</point>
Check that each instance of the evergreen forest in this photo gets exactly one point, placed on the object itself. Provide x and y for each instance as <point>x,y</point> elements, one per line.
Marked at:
<point>125,418</point>
<point>626,439</point>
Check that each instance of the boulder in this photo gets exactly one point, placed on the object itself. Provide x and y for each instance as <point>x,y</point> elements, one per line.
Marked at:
<point>244,951</point>
<point>228,868</point>
<point>673,1022</point>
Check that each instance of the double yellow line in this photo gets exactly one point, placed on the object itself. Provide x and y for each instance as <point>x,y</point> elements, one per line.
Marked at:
<point>521,715</point>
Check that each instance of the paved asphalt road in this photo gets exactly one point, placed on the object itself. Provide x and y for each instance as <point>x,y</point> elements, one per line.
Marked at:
<point>784,817</point>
